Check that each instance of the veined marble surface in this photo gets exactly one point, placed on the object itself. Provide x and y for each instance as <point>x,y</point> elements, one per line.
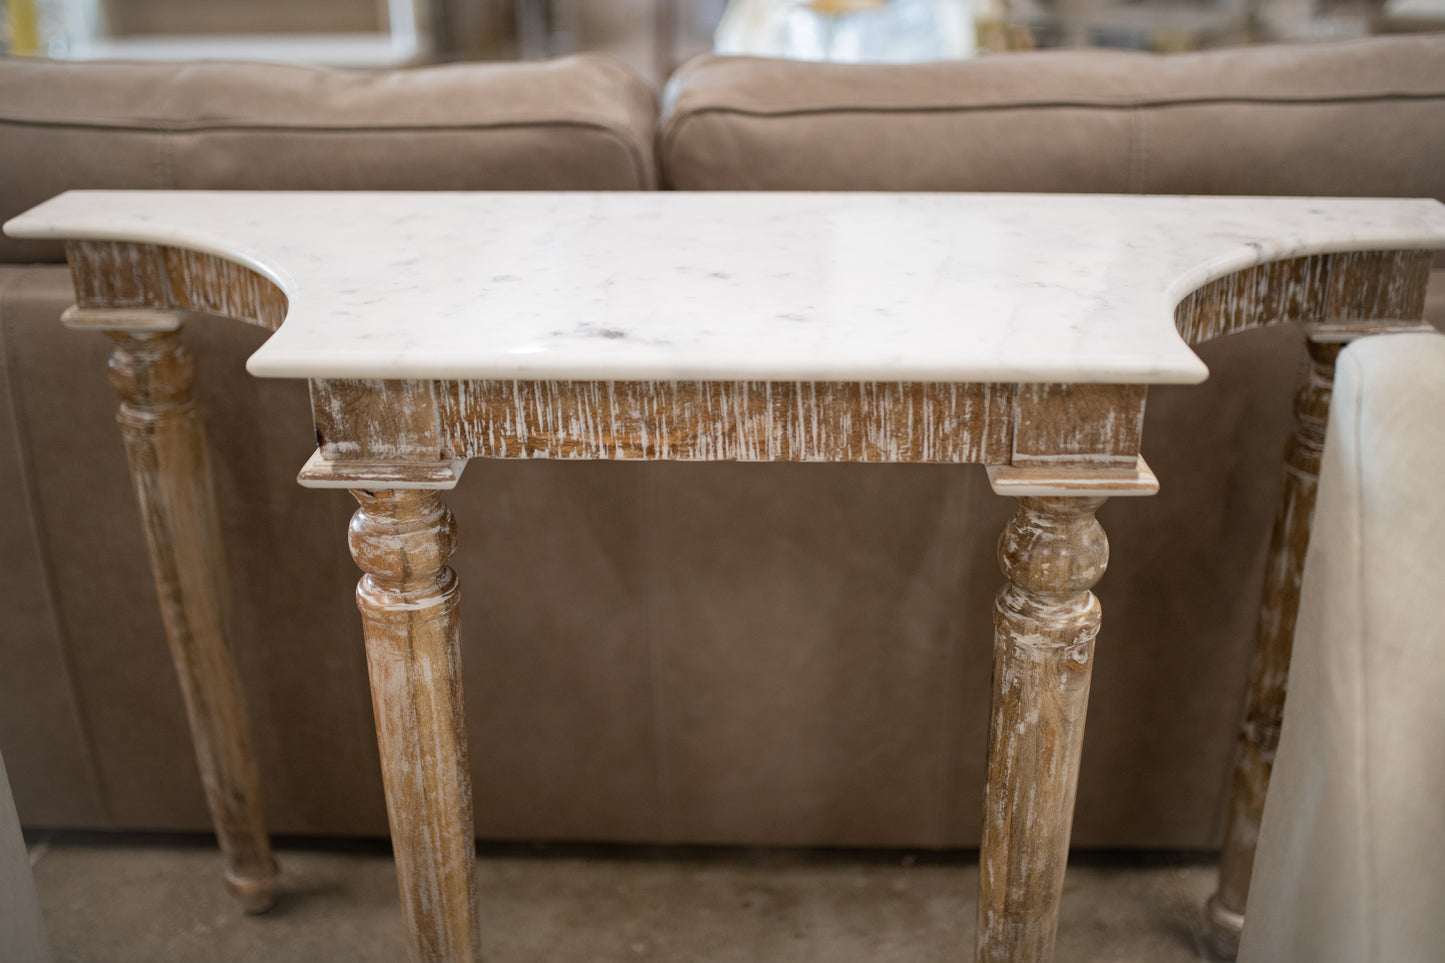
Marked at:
<point>735,286</point>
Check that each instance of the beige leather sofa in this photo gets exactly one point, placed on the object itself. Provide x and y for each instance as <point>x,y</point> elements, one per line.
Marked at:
<point>1351,860</point>
<point>789,654</point>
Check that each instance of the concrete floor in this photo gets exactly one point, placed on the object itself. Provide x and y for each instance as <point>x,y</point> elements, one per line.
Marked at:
<point>118,899</point>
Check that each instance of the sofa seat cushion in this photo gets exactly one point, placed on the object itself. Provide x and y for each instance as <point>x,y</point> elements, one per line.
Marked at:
<point>581,123</point>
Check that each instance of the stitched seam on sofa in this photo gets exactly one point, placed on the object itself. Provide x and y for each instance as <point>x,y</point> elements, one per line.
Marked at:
<point>634,154</point>
<point>33,513</point>
<point>672,125</point>
<point>1123,103</point>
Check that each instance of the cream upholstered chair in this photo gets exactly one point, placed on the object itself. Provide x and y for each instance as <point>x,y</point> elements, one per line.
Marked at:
<point>1351,857</point>
<point>22,930</point>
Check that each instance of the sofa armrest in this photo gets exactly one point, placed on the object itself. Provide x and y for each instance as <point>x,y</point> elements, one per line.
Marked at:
<point>581,123</point>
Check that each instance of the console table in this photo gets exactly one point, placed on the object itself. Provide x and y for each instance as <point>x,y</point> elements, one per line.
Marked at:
<point>1020,332</point>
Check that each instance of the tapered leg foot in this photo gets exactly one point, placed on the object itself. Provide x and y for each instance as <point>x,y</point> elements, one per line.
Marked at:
<point>1223,928</point>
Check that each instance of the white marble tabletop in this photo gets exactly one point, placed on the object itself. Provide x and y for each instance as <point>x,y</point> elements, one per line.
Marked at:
<point>735,286</point>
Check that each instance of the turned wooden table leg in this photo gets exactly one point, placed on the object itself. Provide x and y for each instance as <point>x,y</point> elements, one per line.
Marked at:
<point>1045,618</point>
<point>1274,641</point>
<point>166,445</point>
<point>409,600</point>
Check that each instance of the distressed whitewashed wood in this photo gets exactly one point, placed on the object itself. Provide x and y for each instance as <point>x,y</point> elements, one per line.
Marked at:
<point>743,421</point>
<point>323,472</point>
<point>134,320</point>
<point>165,442</point>
<point>409,612</point>
<point>121,275</point>
<point>1045,622</point>
<point>210,284</point>
<point>1067,480</point>
<point>1377,288</point>
<point>727,421</point>
<point>376,420</point>
<point>1358,294</point>
<point>1278,292</point>
<point>118,274</point>
<point>1090,424</point>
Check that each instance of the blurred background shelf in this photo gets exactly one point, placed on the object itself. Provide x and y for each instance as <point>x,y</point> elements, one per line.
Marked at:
<point>341,33</point>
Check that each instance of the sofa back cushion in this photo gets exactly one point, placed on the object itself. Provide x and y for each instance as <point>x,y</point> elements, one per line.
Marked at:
<point>581,123</point>
<point>1361,118</point>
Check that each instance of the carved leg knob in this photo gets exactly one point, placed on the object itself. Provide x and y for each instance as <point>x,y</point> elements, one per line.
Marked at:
<point>1046,619</point>
<point>409,608</point>
<point>402,540</point>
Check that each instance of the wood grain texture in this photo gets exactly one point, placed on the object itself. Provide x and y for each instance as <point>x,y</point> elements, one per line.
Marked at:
<point>1065,480</point>
<point>166,446</point>
<point>119,274</point>
<point>1278,292</point>
<point>1093,425</point>
<point>213,285</point>
<point>114,274</point>
<point>321,472</point>
<point>727,421</point>
<point>409,611</point>
<point>1364,290</point>
<point>1370,287</point>
<point>1052,551</point>
<point>376,420</point>
<point>134,320</point>
<point>1360,294</point>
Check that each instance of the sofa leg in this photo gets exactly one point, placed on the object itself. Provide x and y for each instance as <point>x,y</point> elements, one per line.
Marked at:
<point>409,602</point>
<point>166,445</point>
<point>1274,641</point>
<point>1053,551</point>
